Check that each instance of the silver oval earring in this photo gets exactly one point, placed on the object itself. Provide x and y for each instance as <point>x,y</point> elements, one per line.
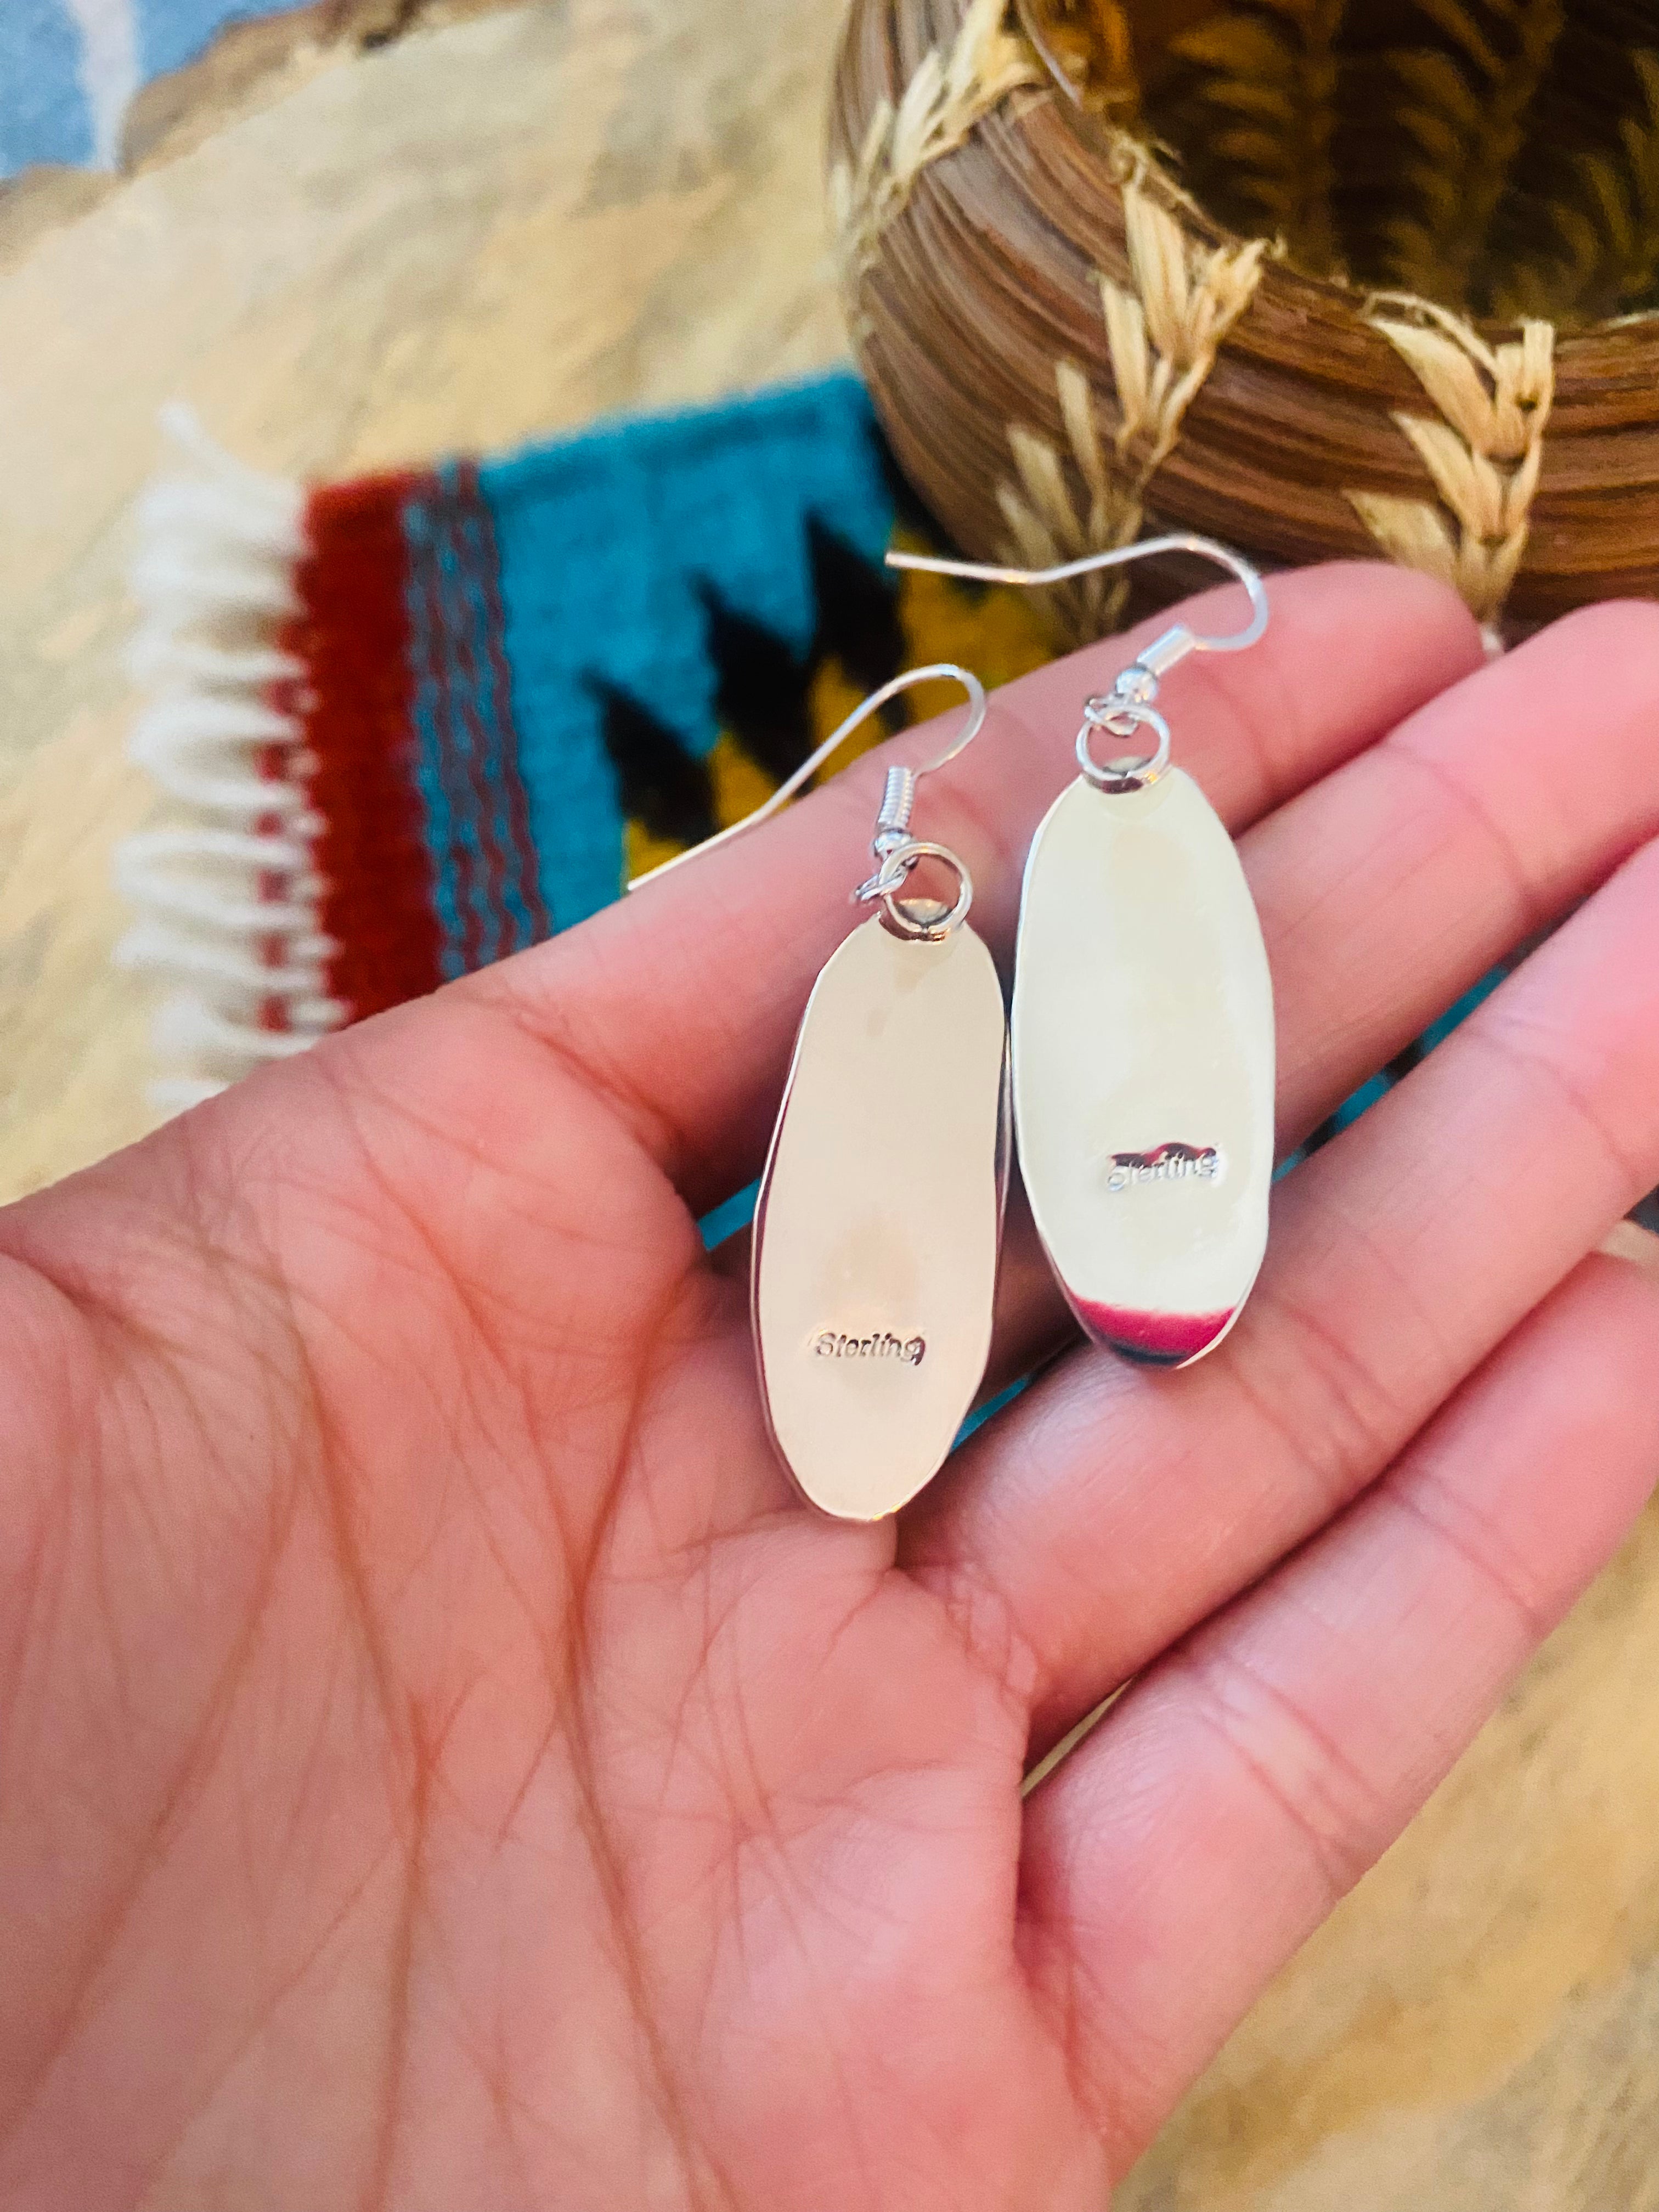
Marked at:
<point>1143,1016</point>
<point>879,1222</point>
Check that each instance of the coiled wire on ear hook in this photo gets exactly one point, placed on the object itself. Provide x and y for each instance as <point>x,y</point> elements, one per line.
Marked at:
<point>896,852</point>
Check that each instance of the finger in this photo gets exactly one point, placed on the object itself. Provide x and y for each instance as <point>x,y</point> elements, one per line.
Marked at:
<point>681,1004</point>
<point>1390,888</point>
<point>1110,1508</point>
<point>1178,1858</point>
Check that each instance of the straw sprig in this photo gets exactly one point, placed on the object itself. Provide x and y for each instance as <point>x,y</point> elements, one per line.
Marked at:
<point>1163,329</point>
<point>1483,450</point>
<point>953,89</point>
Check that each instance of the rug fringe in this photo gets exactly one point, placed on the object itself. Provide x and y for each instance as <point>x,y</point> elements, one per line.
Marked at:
<point>228,900</point>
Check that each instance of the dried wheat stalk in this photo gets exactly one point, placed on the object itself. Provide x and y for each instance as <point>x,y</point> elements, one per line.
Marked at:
<point>1162,338</point>
<point>937,111</point>
<point>1483,452</point>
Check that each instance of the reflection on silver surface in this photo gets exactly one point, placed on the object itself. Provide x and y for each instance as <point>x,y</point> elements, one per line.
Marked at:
<point>880,1211</point>
<point>1143,1060</point>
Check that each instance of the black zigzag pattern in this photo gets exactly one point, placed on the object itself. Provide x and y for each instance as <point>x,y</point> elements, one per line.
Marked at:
<point>858,610</point>
<point>759,689</point>
<point>762,690</point>
<point>658,783</point>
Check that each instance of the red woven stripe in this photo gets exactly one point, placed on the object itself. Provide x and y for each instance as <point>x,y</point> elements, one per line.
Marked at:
<point>353,635</point>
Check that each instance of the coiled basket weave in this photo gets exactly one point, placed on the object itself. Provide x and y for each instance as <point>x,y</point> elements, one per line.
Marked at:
<point>1319,279</point>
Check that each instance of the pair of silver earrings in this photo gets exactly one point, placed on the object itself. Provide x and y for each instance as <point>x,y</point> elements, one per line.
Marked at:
<point>1141,1073</point>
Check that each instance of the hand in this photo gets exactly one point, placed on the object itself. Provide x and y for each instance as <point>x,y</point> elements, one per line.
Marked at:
<point>442,1765</point>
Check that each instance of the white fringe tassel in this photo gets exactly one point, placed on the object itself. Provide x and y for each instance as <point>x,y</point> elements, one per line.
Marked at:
<point>228,902</point>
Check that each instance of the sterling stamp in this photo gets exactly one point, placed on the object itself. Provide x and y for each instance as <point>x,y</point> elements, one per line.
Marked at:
<point>1168,1163</point>
<point>829,1344</point>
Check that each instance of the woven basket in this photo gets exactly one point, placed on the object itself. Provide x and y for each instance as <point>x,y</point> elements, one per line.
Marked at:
<point>1318,280</point>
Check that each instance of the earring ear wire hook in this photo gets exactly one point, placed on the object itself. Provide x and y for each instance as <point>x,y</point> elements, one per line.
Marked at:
<point>893,822</point>
<point>1127,708</point>
<point>1176,642</point>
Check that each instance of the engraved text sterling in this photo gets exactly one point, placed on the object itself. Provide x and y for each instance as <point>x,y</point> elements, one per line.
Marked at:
<point>1169,1164</point>
<point>828,1344</point>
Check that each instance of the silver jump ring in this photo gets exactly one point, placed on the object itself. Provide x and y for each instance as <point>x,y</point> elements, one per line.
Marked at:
<point>900,919</point>
<point>1122,719</point>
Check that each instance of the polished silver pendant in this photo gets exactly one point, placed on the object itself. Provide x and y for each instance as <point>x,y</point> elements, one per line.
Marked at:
<point>1143,1065</point>
<point>875,1237</point>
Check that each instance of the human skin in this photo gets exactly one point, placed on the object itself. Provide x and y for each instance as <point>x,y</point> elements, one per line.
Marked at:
<point>441,1763</point>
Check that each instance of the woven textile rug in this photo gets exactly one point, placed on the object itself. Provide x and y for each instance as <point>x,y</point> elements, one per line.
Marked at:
<point>419,722</point>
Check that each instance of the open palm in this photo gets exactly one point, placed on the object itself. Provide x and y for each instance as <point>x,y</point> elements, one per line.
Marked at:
<point>442,1765</point>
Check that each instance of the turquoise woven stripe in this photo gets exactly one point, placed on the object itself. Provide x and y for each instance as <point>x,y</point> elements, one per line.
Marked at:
<point>606,541</point>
